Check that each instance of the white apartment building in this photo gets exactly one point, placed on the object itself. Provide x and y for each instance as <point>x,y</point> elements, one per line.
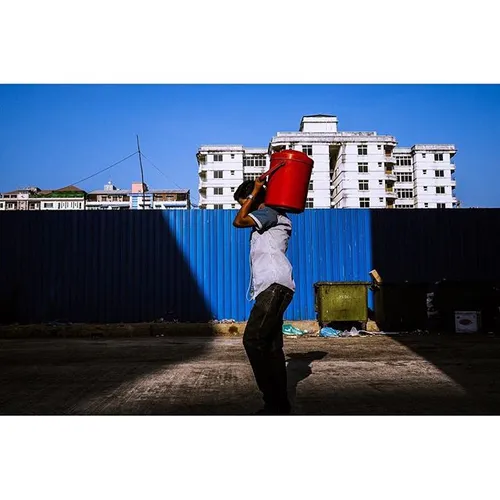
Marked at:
<point>351,169</point>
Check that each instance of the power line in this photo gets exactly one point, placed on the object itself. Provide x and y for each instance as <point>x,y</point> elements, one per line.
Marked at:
<point>103,170</point>
<point>162,173</point>
<point>166,177</point>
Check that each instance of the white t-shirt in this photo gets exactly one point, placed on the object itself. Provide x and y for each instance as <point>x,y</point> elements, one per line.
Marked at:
<point>268,245</point>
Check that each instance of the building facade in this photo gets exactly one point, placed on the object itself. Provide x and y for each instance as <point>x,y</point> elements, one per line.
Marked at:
<point>109,198</point>
<point>34,198</point>
<point>351,169</point>
<point>138,198</point>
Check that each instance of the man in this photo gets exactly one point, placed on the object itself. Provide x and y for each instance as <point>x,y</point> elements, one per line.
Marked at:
<point>272,288</point>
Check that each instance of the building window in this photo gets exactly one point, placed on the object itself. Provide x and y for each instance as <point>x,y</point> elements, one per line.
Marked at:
<point>254,161</point>
<point>425,188</point>
<point>363,168</point>
<point>424,172</point>
<point>403,160</point>
<point>439,173</point>
<point>404,206</point>
<point>1,205</point>
<point>307,149</point>
<point>426,205</point>
<point>218,206</point>
<point>380,182</point>
<point>364,202</point>
<point>233,205</point>
<point>48,205</point>
<point>438,157</point>
<point>218,191</point>
<point>423,155</point>
<point>362,149</point>
<point>404,177</point>
<point>217,157</point>
<point>232,156</point>
<point>380,164</point>
<point>379,147</point>
<point>440,190</point>
<point>381,200</point>
<point>251,177</point>
<point>441,205</point>
<point>309,203</point>
<point>232,190</point>
<point>311,188</point>
<point>404,193</point>
<point>232,172</point>
<point>363,185</point>
<point>217,174</point>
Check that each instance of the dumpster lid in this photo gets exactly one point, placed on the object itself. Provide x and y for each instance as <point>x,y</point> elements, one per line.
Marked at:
<point>329,283</point>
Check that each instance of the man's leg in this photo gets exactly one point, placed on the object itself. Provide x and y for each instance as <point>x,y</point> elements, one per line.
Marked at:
<point>263,341</point>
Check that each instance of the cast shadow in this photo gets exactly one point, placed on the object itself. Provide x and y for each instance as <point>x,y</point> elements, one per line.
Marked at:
<point>299,367</point>
<point>95,267</point>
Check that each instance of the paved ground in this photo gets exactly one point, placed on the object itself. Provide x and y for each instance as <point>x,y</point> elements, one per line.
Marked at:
<point>368,376</point>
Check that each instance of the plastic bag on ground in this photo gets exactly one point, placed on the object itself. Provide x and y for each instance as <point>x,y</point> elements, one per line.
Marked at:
<point>291,330</point>
<point>329,332</point>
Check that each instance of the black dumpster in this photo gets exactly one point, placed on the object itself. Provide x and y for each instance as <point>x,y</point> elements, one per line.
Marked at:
<point>448,297</point>
<point>401,307</point>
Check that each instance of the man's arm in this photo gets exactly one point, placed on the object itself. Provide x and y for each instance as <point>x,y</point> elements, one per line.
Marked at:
<point>242,218</point>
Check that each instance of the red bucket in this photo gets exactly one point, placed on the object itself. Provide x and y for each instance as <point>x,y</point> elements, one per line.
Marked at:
<point>288,181</point>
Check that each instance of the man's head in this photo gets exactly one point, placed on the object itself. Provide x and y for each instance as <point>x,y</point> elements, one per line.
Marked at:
<point>245,189</point>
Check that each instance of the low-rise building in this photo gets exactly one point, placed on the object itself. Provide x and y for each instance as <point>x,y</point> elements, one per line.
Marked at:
<point>137,198</point>
<point>34,198</point>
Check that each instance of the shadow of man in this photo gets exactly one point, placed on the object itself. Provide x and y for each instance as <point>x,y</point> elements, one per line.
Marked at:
<point>299,368</point>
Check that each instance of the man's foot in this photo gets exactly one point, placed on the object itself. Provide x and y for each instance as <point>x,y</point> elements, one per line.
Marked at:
<point>271,411</point>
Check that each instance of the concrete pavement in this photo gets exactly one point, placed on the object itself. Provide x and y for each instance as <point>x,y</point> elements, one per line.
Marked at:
<point>376,375</point>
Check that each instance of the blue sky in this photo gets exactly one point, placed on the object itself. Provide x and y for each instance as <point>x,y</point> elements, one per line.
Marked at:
<point>54,135</point>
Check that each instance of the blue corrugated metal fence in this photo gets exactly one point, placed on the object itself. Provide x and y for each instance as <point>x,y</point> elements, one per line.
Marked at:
<point>193,265</point>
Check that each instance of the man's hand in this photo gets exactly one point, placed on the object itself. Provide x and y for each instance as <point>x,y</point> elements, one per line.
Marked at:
<point>259,184</point>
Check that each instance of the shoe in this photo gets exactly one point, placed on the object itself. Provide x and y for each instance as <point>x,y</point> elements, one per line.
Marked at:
<point>269,411</point>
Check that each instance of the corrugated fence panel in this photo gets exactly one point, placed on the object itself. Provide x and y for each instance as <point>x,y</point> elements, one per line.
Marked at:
<point>217,255</point>
<point>327,245</point>
<point>423,246</point>
<point>193,265</point>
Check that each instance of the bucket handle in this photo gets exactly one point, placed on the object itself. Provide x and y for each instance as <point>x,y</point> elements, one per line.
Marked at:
<point>271,171</point>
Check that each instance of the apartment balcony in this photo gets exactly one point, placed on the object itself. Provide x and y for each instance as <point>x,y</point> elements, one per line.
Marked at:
<point>453,167</point>
<point>390,160</point>
<point>390,177</point>
<point>391,195</point>
<point>453,183</point>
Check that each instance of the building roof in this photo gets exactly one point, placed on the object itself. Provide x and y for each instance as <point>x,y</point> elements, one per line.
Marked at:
<point>129,191</point>
<point>115,191</point>
<point>168,191</point>
<point>68,188</point>
<point>39,191</point>
<point>319,116</point>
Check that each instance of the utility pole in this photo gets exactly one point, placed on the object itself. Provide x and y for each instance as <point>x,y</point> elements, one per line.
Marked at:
<point>142,175</point>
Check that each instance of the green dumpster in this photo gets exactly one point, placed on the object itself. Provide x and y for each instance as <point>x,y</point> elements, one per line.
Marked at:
<point>341,301</point>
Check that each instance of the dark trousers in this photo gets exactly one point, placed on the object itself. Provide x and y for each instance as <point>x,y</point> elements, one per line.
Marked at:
<point>263,342</point>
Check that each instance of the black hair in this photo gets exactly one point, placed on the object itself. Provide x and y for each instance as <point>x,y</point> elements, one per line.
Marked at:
<point>245,189</point>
